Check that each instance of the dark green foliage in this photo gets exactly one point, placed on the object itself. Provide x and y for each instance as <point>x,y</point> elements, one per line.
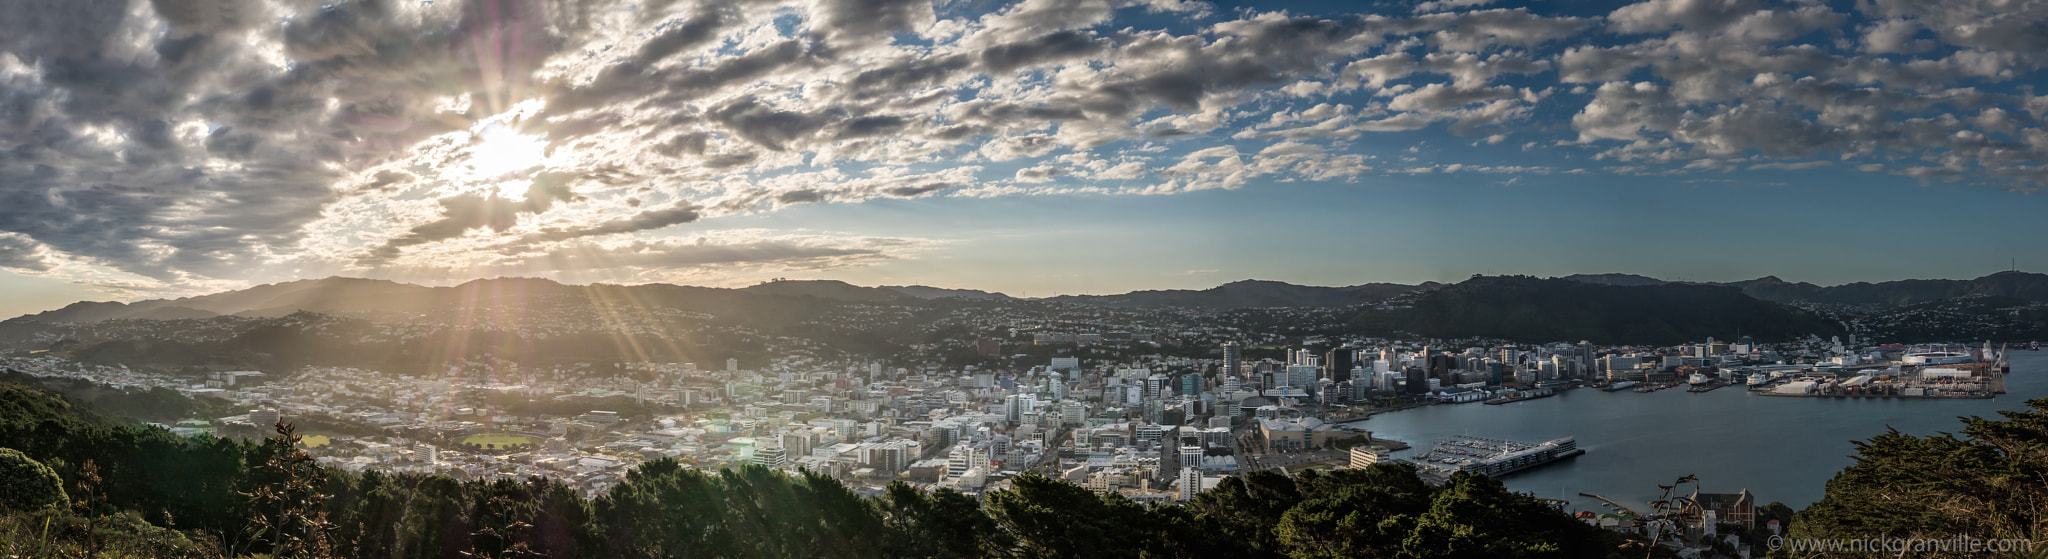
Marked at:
<point>941,524</point>
<point>1386,511</point>
<point>286,502</point>
<point>1990,483</point>
<point>28,485</point>
<point>1542,310</point>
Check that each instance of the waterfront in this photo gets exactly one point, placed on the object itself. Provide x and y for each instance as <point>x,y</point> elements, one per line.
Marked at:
<point>1781,449</point>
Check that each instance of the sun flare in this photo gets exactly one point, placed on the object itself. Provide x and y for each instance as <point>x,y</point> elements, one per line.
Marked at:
<point>500,152</point>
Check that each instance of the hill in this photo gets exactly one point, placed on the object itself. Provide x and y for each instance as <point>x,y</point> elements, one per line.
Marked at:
<point>1539,310</point>
<point>1246,294</point>
<point>2021,285</point>
<point>363,297</point>
<point>1626,280</point>
<point>927,292</point>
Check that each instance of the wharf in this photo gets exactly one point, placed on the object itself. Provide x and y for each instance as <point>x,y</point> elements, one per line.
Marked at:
<point>1489,457</point>
<point>1656,387</point>
<point>1708,387</point>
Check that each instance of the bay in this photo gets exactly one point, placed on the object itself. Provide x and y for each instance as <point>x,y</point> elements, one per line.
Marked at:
<point>1780,449</point>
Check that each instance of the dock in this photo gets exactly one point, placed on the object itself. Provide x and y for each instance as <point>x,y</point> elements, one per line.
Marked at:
<point>1708,387</point>
<point>1489,457</point>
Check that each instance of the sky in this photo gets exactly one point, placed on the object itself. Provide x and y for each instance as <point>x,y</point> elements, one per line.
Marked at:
<point>173,147</point>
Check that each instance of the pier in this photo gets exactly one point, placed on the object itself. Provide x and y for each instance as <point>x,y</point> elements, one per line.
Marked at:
<point>1489,457</point>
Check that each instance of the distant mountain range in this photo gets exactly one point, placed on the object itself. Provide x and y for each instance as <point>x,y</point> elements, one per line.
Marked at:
<point>1605,308</point>
<point>367,297</point>
<point>2019,285</point>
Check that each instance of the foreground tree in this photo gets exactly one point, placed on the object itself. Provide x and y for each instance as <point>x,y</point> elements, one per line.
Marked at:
<point>1990,483</point>
<point>289,503</point>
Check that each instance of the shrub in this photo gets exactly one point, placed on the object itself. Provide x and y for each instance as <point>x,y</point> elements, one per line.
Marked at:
<point>28,485</point>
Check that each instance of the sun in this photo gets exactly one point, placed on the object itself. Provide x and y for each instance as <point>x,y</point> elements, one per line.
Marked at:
<point>499,153</point>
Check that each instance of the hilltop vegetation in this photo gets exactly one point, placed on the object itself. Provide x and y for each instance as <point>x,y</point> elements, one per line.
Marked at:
<point>1541,310</point>
<point>1991,482</point>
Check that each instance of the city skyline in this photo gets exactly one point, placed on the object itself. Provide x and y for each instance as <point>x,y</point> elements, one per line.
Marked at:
<point>1039,148</point>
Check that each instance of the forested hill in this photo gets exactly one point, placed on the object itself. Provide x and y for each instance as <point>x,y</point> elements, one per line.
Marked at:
<point>1248,293</point>
<point>149,494</point>
<point>1543,310</point>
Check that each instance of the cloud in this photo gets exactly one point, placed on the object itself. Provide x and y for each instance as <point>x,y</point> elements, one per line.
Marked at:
<point>784,253</point>
<point>19,252</point>
<point>182,142</point>
<point>1693,15</point>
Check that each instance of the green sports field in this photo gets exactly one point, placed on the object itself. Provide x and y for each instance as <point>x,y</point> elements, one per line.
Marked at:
<point>314,441</point>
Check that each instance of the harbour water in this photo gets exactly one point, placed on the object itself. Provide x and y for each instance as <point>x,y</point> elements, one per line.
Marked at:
<point>1780,449</point>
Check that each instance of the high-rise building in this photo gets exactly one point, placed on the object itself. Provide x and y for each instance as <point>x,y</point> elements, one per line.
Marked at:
<point>1191,385</point>
<point>889,457</point>
<point>1417,381</point>
<point>1233,361</point>
<point>1441,367</point>
<point>771,457</point>
<point>963,458</point>
<point>1340,361</point>
<point>1074,414</point>
<point>1301,376</point>
<point>1190,483</point>
<point>799,443</point>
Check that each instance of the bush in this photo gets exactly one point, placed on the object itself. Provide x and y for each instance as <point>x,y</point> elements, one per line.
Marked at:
<point>28,485</point>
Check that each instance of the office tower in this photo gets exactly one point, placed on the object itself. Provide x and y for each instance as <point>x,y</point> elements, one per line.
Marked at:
<point>1416,383</point>
<point>1340,362</point>
<point>1441,367</point>
<point>1190,483</point>
<point>1233,360</point>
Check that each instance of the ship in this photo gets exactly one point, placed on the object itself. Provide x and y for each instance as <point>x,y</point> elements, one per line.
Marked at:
<point>1489,457</point>
<point>1518,396</point>
<point>1623,385</point>
<point>1698,379</point>
<point>1759,379</point>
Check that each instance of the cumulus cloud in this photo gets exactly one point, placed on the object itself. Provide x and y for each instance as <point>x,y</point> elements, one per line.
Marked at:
<point>181,142</point>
